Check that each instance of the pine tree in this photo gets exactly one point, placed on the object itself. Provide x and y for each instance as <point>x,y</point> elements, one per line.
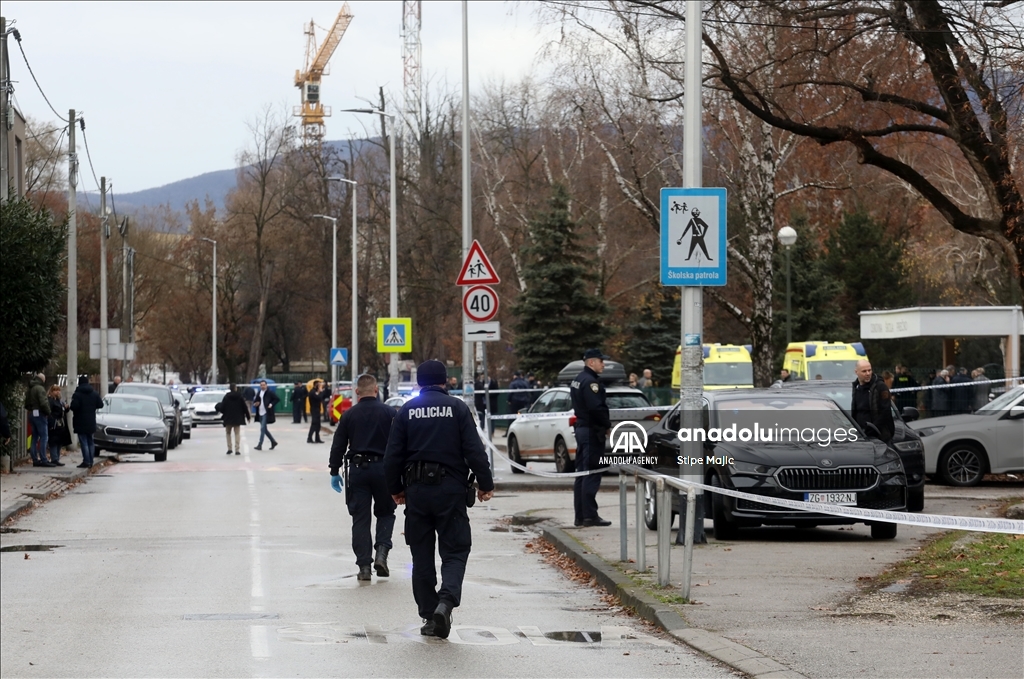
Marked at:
<point>558,315</point>
<point>654,335</point>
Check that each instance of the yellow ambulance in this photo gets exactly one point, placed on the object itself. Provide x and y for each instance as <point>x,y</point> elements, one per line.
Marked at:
<point>823,360</point>
<point>726,366</point>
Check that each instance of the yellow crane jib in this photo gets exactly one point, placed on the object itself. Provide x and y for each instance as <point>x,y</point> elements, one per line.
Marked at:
<point>307,80</point>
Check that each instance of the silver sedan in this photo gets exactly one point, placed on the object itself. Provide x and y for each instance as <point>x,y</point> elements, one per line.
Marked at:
<point>132,424</point>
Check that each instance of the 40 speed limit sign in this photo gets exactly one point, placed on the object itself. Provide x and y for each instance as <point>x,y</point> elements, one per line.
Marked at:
<point>480,303</point>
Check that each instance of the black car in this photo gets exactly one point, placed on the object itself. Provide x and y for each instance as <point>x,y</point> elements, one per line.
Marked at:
<point>758,455</point>
<point>172,416</point>
<point>905,440</point>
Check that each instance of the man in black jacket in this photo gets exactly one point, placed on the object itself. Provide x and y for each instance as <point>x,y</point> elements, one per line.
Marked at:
<point>872,402</point>
<point>234,414</point>
<point>84,404</point>
<point>904,380</point>
<point>480,400</point>
<point>432,448</point>
<point>518,400</point>
<point>316,400</point>
<point>592,424</point>
<point>359,445</point>
<point>263,402</point>
<point>299,395</point>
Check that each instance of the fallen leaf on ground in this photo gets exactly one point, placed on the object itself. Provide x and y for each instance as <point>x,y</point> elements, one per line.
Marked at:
<point>1001,573</point>
<point>931,577</point>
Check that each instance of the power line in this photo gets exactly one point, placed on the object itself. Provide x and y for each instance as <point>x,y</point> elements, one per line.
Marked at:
<point>81,124</point>
<point>17,36</point>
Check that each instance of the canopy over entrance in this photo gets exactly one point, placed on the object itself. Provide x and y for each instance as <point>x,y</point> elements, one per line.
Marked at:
<point>950,323</point>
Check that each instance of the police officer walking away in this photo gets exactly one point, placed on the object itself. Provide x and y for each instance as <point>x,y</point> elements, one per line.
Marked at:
<point>432,449</point>
<point>359,444</point>
<point>592,425</point>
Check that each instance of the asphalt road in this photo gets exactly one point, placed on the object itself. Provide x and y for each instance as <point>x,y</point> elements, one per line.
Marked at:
<point>210,565</point>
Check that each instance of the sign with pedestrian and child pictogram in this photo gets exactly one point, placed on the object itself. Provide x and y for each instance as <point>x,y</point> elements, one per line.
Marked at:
<point>394,335</point>
<point>693,236</point>
<point>477,269</point>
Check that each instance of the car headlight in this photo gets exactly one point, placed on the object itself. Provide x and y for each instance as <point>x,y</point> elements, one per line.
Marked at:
<point>908,446</point>
<point>740,467</point>
<point>928,431</point>
<point>157,431</point>
<point>890,467</point>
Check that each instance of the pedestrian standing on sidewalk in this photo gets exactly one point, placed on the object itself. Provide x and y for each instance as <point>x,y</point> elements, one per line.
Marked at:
<point>359,445</point>
<point>592,424</point>
<point>234,414</point>
<point>59,434</point>
<point>432,448</point>
<point>316,400</point>
<point>38,408</point>
<point>264,401</point>
<point>299,402</point>
<point>84,404</point>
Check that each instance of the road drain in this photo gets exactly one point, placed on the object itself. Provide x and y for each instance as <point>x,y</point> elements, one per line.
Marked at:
<point>29,548</point>
<point>230,616</point>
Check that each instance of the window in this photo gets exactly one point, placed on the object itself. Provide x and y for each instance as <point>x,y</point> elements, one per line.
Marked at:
<point>541,406</point>
<point>561,403</point>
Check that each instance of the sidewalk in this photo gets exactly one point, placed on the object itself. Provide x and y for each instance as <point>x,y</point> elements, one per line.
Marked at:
<point>773,603</point>
<point>27,485</point>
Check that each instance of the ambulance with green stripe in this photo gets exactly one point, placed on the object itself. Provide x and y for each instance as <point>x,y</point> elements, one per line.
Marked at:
<point>829,360</point>
<point>726,366</point>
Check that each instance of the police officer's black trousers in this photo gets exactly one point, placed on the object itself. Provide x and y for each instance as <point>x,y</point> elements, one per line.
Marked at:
<point>314,428</point>
<point>437,510</point>
<point>296,413</point>
<point>365,486</point>
<point>589,449</point>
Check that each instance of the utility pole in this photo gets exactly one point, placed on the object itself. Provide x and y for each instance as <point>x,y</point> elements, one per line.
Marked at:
<point>5,82</point>
<point>692,359</point>
<point>104,234</point>
<point>213,327</point>
<point>125,322</point>
<point>72,322</point>
<point>467,197</point>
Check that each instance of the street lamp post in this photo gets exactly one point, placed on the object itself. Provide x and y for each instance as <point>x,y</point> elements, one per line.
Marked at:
<point>213,362</point>
<point>334,297</point>
<point>787,236</point>
<point>353,357</point>
<point>393,367</point>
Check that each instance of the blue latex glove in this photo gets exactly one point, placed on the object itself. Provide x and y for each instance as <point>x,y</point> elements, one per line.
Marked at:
<point>336,483</point>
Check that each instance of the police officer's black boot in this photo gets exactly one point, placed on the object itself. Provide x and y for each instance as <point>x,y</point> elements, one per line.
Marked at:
<point>380,562</point>
<point>364,573</point>
<point>443,619</point>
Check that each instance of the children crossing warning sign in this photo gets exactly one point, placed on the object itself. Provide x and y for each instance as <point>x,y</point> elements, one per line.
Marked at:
<point>477,269</point>
<point>394,335</point>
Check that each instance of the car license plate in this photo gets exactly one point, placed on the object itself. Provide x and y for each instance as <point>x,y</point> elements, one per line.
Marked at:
<point>127,441</point>
<point>831,498</point>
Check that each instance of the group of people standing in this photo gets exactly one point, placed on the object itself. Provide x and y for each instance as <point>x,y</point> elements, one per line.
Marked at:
<point>48,415</point>
<point>956,391</point>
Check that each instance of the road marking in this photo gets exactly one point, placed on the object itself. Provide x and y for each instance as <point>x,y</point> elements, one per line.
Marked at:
<point>258,641</point>
<point>254,539</point>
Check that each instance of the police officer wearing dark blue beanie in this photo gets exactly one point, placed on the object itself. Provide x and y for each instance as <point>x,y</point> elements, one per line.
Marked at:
<point>432,449</point>
<point>592,424</point>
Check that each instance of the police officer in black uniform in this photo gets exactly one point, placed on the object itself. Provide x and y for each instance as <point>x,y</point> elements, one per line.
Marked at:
<point>592,425</point>
<point>359,444</point>
<point>432,449</point>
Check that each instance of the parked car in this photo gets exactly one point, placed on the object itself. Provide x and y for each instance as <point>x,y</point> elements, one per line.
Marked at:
<point>181,400</point>
<point>863,473</point>
<point>544,432</point>
<point>961,449</point>
<point>905,440</point>
<point>203,406</point>
<point>132,423</point>
<point>172,415</point>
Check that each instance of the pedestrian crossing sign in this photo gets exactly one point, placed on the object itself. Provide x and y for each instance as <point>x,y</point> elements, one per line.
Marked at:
<point>394,335</point>
<point>339,356</point>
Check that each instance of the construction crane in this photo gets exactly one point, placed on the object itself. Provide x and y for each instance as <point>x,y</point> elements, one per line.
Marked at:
<point>312,111</point>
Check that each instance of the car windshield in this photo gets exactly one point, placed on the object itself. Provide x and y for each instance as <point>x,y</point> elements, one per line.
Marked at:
<point>208,397</point>
<point>141,407</point>
<point>1000,404</point>
<point>733,374</point>
<point>162,394</point>
<point>841,395</point>
<point>782,412</point>
<point>627,401</point>
<point>831,370</point>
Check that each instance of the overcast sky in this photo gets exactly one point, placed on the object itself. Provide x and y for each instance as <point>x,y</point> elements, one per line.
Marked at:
<point>166,88</point>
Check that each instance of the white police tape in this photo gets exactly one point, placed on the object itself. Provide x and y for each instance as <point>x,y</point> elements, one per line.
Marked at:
<point>943,521</point>
<point>954,385</point>
<point>548,475</point>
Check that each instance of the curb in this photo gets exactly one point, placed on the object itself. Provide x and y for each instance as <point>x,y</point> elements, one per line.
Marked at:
<point>15,508</point>
<point>70,477</point>
<point>737,656</point>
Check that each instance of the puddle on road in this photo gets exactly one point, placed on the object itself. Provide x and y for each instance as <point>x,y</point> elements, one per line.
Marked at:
<point>895,588</point>
<point>29,548</point>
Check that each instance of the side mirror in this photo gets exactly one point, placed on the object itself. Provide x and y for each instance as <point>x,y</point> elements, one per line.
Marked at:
<point>1017,412</point>
<point>872,431</point>
<point>910,414</point>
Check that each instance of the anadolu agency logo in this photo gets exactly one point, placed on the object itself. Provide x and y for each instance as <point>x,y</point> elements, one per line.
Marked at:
<point>629,445</point>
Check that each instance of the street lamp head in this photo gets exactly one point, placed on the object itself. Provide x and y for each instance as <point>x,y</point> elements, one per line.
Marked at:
<point>209,240</point>
<point>324,217</point>
<point>371,111</point>
<point>787,235</point>
<point>342,179</point>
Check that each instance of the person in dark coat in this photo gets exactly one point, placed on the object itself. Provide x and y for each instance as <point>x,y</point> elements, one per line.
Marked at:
<point>234,413</point>
<point>904,380</point>
<point>872,402</point>
<point>60,435</point>
<point>299,403</point>
<point>38,408</point>
<point>941,401</point>
<point>593,421</point>
<point>263,402</point>
<point>316,401</point>
<point>480,398</point>
<point>963,395</point>
<point>518,400</point>
<point>84,404</point>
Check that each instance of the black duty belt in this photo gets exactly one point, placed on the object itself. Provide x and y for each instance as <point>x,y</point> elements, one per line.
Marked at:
<point>427,473</point>
<point>361,460</point>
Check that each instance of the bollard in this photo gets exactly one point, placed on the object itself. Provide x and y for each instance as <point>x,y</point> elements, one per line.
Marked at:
<point>623,539</point>
<point>641,529</point>
<point>664,530</point>
<point>691,505</point>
